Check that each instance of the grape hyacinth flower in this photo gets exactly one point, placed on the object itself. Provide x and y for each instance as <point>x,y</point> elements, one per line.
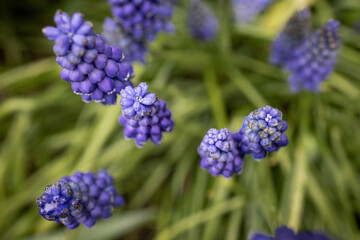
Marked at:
<point>219,154</point>
<point>95,70</point>
<point>80,198</point>
<point>314,60</point>
<point>138,22</point>
<point>295,32</point>
<point>284,233</point>
<point>201,21</point>
<point>263,131</point>
<point>144,116</point>
<point>246,10</point>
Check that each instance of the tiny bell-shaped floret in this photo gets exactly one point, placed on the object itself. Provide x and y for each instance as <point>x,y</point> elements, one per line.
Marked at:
<point>219,154</point>
<point>80,198</point>
<point>201,21</point>
<point>263,131</point>
<point>137,102</point>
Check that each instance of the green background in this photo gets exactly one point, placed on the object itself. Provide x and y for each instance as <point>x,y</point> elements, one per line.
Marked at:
<point>47,131</point>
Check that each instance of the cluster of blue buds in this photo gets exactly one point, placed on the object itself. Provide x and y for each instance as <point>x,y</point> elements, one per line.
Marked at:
<point>136,23</point>
<point>314,60</point>
<point>246,10</point>
<point>96,70</point>
<point>144,116</point>
<point>219,153</point>
<point>80,198</point>
<point>263,131</point>
<point>295,32</point>
<point>284,233</point>
<point>201,21</point>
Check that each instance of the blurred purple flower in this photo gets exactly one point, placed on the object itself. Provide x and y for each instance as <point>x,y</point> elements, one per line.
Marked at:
<point>137,22</point>
<point>294,33</point>
<point>134,50</point>
<point>284,233</point>
<point>314,60</point>
<point>201,21</point>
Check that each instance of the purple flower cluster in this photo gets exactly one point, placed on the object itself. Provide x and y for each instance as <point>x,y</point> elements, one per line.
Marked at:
<point>263,131</point>
<point>314,60</point>
<point>201,20</point>
<point>80,198</point>
<point>284,233</point>
<point>246,10</point>
<point>295,32</point>
<point>137,22</point>
<point>144,116</point>
<point>95,70</point>
<point>219,153</point>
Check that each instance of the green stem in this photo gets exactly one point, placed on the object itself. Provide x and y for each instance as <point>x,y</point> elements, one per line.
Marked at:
<point>216,99</point>
<point>246,87</point>
<point>193,220</point>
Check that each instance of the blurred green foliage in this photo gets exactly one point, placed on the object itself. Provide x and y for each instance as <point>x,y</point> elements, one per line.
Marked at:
<point>47,131</point>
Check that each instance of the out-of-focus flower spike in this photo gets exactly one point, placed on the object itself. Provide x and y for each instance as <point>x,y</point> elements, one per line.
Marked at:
<point>315,59</point>
<point>136,23</point>
<point>285,233</point>
<point>201,21</point>
<point>294,33</point>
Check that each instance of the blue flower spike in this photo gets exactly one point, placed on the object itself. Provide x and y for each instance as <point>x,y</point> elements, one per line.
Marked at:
<point>201,21</point>
<point>80,198</point>
<point>95,70</point>
<point>137,22</point>
<point>263,132</point>
<point>144,116</point>
<point>294,33</point>
<point>285,233</point>
<point>219,153</point>
<point>314,60</point>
